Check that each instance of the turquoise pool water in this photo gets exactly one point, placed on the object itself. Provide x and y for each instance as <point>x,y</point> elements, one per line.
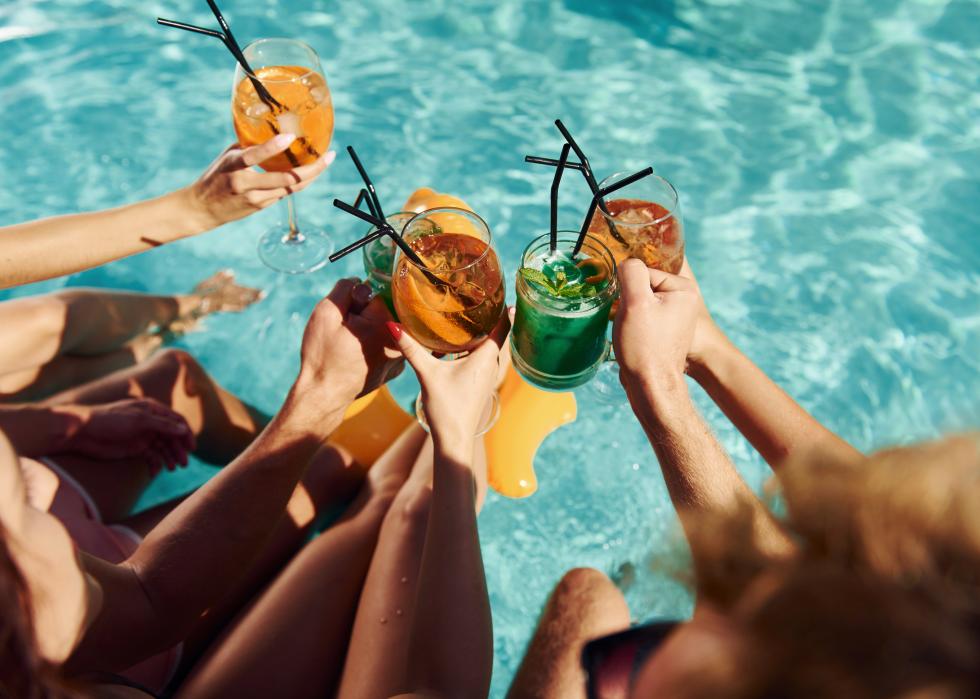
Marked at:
<point>827,155</point>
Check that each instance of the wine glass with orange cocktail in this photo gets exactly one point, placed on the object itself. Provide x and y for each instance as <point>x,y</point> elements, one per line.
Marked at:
<point>296,100</point>
<point>452,302</point>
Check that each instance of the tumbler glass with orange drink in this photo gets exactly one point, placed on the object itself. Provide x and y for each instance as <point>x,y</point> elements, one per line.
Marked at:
<point>291,73</point>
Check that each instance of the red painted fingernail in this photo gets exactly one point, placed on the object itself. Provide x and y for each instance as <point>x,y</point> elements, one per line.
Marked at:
<point>395,329</point>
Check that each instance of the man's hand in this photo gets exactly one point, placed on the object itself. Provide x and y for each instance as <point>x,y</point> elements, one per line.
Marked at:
<point>133,428</point>
<point>655,325</point>
<point>346,346</point>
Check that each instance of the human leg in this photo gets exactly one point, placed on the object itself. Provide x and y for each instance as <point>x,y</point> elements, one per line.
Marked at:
<point>222,423</point>
<point>376,665</point>
<point>584,605</point>
<point>293,638</point>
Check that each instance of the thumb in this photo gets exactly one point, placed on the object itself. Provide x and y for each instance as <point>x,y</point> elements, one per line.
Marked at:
<point>414,353</point>
<point>662,282</point>
<point>634,282</point>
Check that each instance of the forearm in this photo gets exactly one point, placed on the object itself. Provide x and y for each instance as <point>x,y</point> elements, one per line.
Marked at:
<point>451,651</point>
<point>60,245</point>
<point>238,509</point>
<point>202,548</point>
<point>701,479</point>
<point>776,425</point>
<point>37,431</point>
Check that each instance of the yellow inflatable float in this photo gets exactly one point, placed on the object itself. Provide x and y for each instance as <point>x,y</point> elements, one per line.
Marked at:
<point>527,414</point>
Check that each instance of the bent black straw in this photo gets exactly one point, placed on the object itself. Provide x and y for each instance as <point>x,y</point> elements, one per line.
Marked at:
<point>555,184</point>
<point>538,160</point>
<point>236,52</point>
<point>385,229</point>
<point>599,195</point>
<point>376,209</point>
<point>362,196</point>
<point>586,170</point>
<point>229,41</point>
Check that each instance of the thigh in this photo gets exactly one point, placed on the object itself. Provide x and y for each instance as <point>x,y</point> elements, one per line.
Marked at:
<point>292,639</point>
<point>113,485</point>
<point>376,664</point>
<point>223,424</point>
<point>583,606</point>
<point>62,373</point>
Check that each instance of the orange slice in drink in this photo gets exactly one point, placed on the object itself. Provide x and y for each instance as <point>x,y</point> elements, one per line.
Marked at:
<point>434,310</point>
<point>424,199</point>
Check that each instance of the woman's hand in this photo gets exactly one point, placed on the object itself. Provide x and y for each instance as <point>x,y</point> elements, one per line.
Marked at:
<point>655,326</point>
<point>455,393</point>
<point>132,428</point>
<point>346,349</point>
<point>230,189</point>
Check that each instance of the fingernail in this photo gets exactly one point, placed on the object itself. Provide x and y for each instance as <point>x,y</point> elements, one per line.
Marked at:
<point>329,156</point>
<point>284,139</point>
<point>394,329</point>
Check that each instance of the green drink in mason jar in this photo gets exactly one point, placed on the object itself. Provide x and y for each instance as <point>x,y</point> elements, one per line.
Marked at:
<point>563,302</point>
<point>379,258</point>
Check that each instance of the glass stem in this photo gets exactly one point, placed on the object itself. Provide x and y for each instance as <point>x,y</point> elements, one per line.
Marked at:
<point>291,219</point>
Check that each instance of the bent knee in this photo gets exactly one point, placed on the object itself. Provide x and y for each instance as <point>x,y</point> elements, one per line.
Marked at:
<point>590,590</point>
<point>411,506</point>
<point>178,363</point>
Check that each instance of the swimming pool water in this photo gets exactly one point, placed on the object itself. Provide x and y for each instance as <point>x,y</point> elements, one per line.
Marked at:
<point>827,155</point>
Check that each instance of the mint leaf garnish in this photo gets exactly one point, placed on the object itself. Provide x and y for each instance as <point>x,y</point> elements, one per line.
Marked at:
<point>538,277</point>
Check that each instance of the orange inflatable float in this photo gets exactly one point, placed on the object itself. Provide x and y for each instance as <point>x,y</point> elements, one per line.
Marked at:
<point>527,414</point>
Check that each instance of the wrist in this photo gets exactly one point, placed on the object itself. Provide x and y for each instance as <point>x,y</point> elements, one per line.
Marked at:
<point>313,403</point>
<point>453,448</point>
<point>712,349</point>
<point>195,217</point>
<point>655,397</point>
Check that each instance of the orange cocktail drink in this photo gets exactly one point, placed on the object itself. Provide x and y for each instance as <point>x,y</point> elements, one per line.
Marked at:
<point>454,303</point>
<point>645,224</point>
<point>286,93</point>
<point>306,111</point>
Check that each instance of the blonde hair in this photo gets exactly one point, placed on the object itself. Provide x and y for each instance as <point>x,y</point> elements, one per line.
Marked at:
<point>880,599</point>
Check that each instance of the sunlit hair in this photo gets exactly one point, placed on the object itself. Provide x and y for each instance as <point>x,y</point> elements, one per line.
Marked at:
<point>882,598</point>
<point>24,674</point>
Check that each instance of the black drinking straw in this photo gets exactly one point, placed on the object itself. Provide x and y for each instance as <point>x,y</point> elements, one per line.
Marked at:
<point>599,195</point>
<point>362,196</point>
<point>235,51</point>
<point>384,228</point>
<point>582,166</point>
<point>537,160</point>
<point>376,209</point>
<point>555,184</point>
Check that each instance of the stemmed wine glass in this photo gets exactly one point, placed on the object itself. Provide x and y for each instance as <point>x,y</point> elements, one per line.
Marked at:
<point>291,73</point>
<point>453,303</point>
<point>643,222</point>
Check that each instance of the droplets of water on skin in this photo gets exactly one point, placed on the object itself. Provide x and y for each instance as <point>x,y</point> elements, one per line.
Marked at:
<point>398,612</point>
<point>384,620</point>
<point>404,580</point>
